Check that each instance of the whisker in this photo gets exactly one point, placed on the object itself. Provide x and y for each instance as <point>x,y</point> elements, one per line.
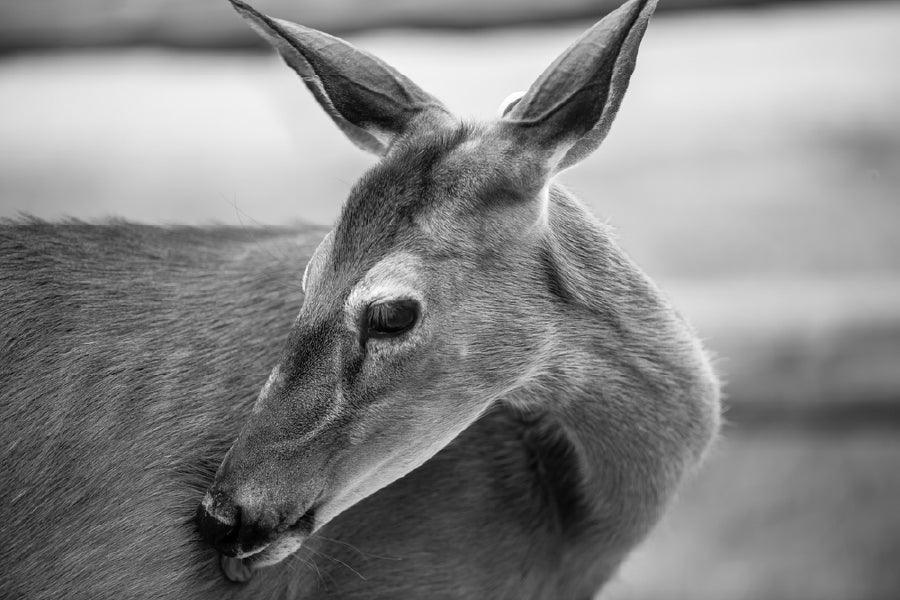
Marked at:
<point>357,550</point>
<point>305,562</point>
<point>337,560</point>
<point>312,560</point>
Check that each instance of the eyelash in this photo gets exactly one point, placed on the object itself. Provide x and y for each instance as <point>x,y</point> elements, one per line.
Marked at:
<point>389,319</point>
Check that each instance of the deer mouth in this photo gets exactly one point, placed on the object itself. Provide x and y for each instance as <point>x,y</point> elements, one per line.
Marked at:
<point>236,570</point>
<point>240,568</point>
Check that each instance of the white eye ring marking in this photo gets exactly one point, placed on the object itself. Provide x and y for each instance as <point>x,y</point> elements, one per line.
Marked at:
<point>396,277</point>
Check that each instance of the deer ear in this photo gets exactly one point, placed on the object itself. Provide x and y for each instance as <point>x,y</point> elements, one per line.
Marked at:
<point>568,111</point>
<point>369,100</point>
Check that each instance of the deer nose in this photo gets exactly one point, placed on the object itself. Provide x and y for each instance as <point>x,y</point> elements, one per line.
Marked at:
<point>225,526</point>
<point>219,526</point>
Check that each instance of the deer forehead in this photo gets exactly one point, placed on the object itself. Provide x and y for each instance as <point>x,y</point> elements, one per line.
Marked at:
<point>398,275</point>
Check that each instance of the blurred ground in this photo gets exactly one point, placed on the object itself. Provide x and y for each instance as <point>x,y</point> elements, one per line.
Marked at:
<point>779,515</point>
<point>754,171</point>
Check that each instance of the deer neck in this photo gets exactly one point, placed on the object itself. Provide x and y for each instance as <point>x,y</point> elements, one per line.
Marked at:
<point>621,379</point>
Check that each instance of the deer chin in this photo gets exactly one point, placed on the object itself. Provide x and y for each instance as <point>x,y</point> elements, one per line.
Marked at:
<point>241,569</point>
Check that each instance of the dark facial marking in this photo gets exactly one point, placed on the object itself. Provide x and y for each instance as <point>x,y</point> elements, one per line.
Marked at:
<point>306,349</point>
<point>386,201</point>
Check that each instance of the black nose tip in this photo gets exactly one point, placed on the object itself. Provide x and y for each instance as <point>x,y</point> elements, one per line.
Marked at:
<point>231,530</point>
<point>220,528</point>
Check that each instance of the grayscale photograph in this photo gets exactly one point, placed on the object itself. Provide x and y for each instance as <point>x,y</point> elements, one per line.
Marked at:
<point>409,299</point>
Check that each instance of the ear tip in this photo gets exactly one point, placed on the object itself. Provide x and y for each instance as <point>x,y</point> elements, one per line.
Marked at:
<point>267,27</point>
<point>637,8</point>
<point>243,8</point>
<point>647,7</point>
<point>630,15</point>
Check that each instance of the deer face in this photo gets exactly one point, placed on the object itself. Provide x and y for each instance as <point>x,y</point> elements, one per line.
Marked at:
<point>407,333</point>
<point>423,306</point>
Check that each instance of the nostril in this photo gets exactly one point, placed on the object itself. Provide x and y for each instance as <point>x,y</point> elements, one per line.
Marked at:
<point>232,529</point>
<point>217,531</point>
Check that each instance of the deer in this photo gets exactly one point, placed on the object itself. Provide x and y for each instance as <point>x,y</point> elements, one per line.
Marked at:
<point>472,392</point>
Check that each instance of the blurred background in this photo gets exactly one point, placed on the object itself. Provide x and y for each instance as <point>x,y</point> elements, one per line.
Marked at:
<point>754,171</point>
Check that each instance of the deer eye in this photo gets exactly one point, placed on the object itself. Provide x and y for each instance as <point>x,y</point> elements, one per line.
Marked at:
<point>390,319</point>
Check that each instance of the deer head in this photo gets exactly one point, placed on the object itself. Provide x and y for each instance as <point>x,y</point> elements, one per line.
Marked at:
<point>425,304</point>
